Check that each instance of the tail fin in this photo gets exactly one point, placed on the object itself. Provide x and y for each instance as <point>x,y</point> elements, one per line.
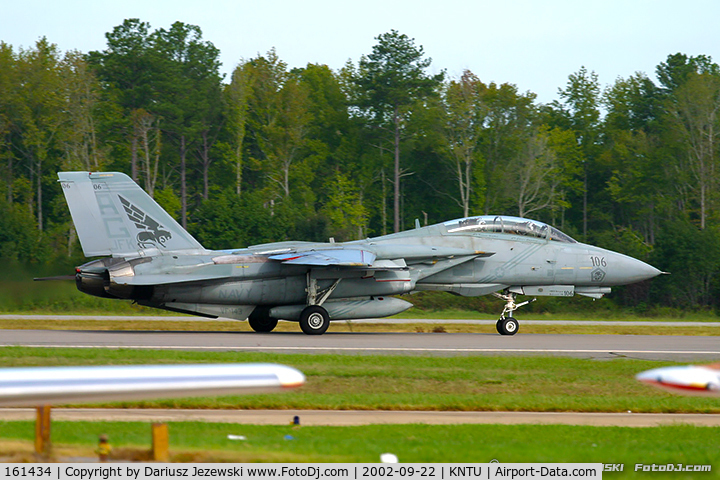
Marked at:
<point>114,216</point>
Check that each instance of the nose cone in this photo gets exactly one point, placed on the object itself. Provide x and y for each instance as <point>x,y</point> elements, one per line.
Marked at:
<point>690,379</point>
<point>637,271</point>
<point>623,270</point>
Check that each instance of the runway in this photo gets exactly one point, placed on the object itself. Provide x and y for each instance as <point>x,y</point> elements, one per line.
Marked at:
<point>357,417</point>
<point>652,347</point>
<point>396,321</point>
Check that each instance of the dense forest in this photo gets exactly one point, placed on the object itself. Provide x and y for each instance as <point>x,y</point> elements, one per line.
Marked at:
<point>273,153</point>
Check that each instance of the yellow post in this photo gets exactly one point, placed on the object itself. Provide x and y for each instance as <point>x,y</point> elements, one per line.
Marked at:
<point>42,430</point>
<point>160,442</point>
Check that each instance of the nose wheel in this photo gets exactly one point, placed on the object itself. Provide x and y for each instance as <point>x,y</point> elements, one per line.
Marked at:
<point>507,325</point>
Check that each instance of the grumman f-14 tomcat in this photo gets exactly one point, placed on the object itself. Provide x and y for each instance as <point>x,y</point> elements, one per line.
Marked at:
<point>150,259</point>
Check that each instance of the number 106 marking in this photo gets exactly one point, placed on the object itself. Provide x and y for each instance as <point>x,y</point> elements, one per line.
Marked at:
<point>598,261</point>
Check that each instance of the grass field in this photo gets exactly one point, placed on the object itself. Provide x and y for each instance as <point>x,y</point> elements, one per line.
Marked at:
<point>411,443</point>
<point>398,382</point>
<point>472,383</point>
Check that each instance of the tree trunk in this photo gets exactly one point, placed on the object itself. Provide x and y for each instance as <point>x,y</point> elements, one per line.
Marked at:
<point>183,185</point>
<point>468,186</point>
<point>238,176</point>
<point>286,180</point>
<point>146,153</point>
<point>134,157</point>
<point>39,195</point>
<point>206,166</point>
<point>384,203</point>
<point>396,173</point>
<point>10,180</point>
<point>585,191</point>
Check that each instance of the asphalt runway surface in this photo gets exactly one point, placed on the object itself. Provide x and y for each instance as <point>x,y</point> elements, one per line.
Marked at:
<point>391,321</point>
<point>650,347</point>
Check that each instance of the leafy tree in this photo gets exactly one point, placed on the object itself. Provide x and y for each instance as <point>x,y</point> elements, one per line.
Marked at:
<point>638,185</point>
<point>675,71</point>
<point>190,96</point>
<point>344,209</point>
<point>509,116</point>
<point>42,106</point>
<point>279,118</point>
<point>465,113</point>
<point>236,96</point>
<point>391,84</point>
<point>544,170</point>
<point>146,127</point>
<point>19,238</point>
<point>581,109</point>
<point>82,150</point>
<point>695,114</point>
<point>9,106</point>
<point>128,68</point>
<point>681,247</point>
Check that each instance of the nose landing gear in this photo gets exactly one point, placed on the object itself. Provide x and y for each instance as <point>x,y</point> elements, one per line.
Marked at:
<point>507,325</point>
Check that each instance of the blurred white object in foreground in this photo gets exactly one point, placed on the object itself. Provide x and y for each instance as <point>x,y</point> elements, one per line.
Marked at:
<point>687,380</point>
<point>33,386</point>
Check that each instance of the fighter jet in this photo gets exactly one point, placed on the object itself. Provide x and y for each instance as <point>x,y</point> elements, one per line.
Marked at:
<point>150,259</point>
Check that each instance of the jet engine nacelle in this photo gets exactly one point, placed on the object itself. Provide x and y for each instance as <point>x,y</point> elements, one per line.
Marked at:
<point>93,283</point>
<point>96,278</point>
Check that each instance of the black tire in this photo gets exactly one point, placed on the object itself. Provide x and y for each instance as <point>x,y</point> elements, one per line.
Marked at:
<point>261,321</point>
<point>508,326</point>
<point>314,320</point>
<point>497,326</point>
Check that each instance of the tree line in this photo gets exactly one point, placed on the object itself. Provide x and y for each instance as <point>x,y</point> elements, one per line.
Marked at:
<point>274,153</point>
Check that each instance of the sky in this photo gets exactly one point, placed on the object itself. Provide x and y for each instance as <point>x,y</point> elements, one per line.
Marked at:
<point>534,44</point>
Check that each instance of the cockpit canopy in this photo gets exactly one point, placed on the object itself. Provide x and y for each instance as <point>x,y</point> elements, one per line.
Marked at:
<point>507,225</point>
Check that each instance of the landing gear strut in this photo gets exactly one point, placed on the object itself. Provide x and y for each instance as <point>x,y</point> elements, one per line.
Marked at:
<point>314,319</point>
<point>507,325</point>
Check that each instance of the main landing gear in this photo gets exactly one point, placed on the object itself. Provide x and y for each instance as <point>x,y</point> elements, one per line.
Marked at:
<point>314,318</point>
<point>507,325</point>
<point>261,321</point>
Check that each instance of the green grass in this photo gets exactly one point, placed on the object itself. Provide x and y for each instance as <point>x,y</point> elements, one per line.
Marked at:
<point>411,443</point>
<point>469,383</point>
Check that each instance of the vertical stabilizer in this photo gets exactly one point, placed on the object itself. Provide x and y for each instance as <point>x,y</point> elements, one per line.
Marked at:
<point>114,216</point>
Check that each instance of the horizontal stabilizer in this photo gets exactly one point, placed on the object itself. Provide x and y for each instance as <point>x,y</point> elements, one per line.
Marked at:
<point>164,279</point>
